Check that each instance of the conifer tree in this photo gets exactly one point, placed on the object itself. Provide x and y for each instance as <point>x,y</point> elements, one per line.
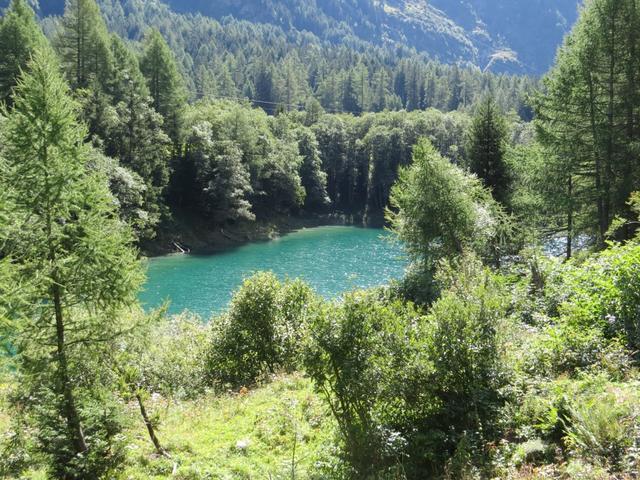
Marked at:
<point>20,35</point>
<point>314,180</point>
<point>350,98</point>
<point>264,88</point>
<point>588,114</point>
<point>165,82</point>
<point>73,258</point>
<point>137,139</point>
<point>83,44</point>
<point>487,149</point>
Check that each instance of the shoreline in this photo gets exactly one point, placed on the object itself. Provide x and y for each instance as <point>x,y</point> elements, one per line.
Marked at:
<point>194,236</point>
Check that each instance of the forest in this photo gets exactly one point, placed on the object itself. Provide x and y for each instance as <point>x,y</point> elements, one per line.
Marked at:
<point>507,350</point>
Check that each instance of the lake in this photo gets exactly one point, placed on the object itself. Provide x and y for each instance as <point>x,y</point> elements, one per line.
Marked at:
<point>331,259</point>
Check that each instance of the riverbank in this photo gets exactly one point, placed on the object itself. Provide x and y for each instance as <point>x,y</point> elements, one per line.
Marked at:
<point>189,233</point>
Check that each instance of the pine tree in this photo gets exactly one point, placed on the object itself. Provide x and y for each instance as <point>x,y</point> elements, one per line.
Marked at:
<point>165,83</point>
<point>350,97</point>
<point>264,88</point>
<point>83,44</point>
<point>314,180</point>
<point>20,35</point>
<point>73,257</point>
<point>487,149</point>
<point>455,89</point>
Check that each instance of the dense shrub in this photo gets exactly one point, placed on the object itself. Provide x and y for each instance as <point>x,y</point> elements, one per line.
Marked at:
<point>363,356</point>
<point>174,360</point>
<point>604,293</point>
<point>467,355</point>
<point>567,349</point>
<point>420,390</point>
<point>261,332</point>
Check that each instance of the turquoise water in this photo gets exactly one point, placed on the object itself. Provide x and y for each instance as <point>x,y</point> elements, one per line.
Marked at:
<point>332,259</point>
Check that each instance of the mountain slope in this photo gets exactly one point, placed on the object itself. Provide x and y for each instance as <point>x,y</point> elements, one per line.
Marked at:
<point>516,36</point>
<point>513,35</point>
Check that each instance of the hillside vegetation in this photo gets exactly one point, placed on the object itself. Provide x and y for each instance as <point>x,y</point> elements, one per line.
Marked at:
<point>509,348</point>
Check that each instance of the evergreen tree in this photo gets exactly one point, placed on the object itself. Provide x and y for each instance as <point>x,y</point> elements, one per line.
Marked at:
<point>455,90</point>
<point>350,97</point>
<point>314,180</point>
<point>588,114</point>
<point>486,150</point>
<point>165,83</point>
<point>137,139</point>
<point>73,256</point>
<point>20,35</point>
<point>223,181</point>
<point>264,89</point>
<point>83,43</point>
<point>436,209</point>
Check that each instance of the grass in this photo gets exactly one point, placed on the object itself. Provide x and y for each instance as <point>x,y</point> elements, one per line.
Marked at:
<point>281,430</point>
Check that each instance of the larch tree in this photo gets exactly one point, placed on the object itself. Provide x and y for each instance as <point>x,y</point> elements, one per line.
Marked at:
<point>438,210</point>
<point>20,35</point>
<point>137,139</point>
<point>588,113</point>
<point>83,44</point>
<point>165,83</point>
<point>73,258</point>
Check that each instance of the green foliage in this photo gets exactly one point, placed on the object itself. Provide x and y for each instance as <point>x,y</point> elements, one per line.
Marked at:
<point>83,44</point>
<point>604,293</point>
<point>72,257</point>
<point>486,149</point>
<point>312,177</point>
<point>569,349</point>
<point>586,113</point>
<point>601,429</point>
<point>221,176</point>
<point>363,357</point>
<point>20,36</point>
<point>467,351</point>
<point>173,361</point>
<point>261,332</point>
<point>411,389</point>
<point>439,211</point>
<point>165,83</point>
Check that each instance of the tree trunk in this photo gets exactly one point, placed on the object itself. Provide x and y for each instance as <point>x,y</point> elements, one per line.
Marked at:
<point>152,433</point>
<point>570,220</point>
<point>69,406</point>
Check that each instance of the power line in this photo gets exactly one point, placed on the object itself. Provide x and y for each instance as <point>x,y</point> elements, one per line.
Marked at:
<point>298,107</point>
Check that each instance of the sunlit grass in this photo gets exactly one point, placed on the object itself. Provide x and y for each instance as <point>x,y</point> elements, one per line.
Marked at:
<point>266,433</point>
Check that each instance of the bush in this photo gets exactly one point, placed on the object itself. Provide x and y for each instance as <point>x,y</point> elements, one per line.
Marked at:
<point>566,349</point>
<point>410,389</point>
<point>363,356</point>
<point>604,293</point>
<point>261,332</point>
<point>466,351</point>
<point>173,362</point>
